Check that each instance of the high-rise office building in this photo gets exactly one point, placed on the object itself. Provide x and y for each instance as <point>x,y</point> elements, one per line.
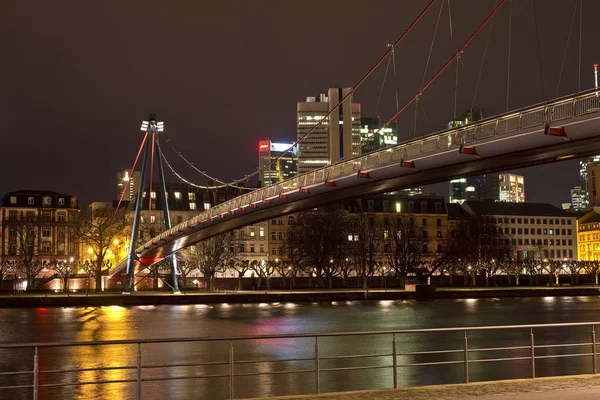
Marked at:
<point>277,161</point>
<point>583,177</point>
<point>384,138</point>
<point>471,115</point>
<point>512,188</point>
<point>124,177</point>
<point>335,137</point>
<point>593,183</point>
<point>578,198</point>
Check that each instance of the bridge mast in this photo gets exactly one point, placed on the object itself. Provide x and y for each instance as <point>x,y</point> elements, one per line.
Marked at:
<point>152,129</point>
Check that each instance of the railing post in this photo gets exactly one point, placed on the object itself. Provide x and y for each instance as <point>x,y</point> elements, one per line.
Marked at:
<point>594,350</point>
<point>395,355</point>
<point>36,370</point>
<point>532,355</point>
<point>466,359</point>
<point>317,381</point>
<point>231,369</point>
<point>139,371</point>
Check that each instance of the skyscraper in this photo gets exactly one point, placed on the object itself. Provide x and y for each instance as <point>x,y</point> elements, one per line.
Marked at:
<point>578,198</point>
<point>386,137</point>
<point>134,184</point>
<point>284,168</point>
<point>332,139</point>
<point>512,188</point>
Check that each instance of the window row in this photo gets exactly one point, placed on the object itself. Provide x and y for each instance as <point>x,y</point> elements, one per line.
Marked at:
<point>538,221</point>
<point>534,231</point>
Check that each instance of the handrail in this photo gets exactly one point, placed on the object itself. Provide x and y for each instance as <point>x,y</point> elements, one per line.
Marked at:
<point>322,361</point>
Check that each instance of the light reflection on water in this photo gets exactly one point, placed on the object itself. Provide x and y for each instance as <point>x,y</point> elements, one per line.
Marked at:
<point>116,323</point>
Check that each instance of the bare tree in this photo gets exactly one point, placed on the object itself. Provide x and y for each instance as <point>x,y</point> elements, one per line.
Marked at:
<point>27,233</point>
<point>98,232</point>
<point>211,256</point>
<point>593,268</point>
<point>63,269</point>
<point>186,268</point>
<point>6,268</point>
<point>241,267</point>
<point>574,268</point>
<point>480,244</point>
<point>319,238</point>
<point>405,247</point>
<point>264,271</point>
<point>555,268</point>
<point>359,247</point>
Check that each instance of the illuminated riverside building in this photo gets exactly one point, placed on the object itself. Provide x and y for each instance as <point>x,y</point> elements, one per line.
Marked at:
<point>333,138</point>
<point>588,236</point>
<point>39,225</point>
<point>278,161</point>
<point>512,188</point>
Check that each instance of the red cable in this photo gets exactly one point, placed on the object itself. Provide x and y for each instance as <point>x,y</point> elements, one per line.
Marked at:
<point>150,198</point>
<point>360,82</point>
<point>432,79</point>
<point>132,169</point>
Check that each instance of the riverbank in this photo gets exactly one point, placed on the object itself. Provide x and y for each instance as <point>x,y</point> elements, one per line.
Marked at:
<point>167,298</point>
<point>581,387</point>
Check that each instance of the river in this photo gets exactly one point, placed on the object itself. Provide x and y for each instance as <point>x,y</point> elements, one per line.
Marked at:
<point>109,323</point>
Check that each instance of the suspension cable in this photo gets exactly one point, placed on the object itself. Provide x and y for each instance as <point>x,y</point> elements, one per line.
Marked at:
<point>132,169</point>
<point>437,24</point>
<point>566,48</point>
<point>509,51</point>
<point>387,67</point>
<point>539,51</point>
<point>150,194</point>
<point>430,82</point>
<point>485,49</point>
<point>350,92</point>
<point>580,28</point>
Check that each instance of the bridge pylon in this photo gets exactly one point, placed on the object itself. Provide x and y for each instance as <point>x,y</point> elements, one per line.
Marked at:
<point>151,150</point>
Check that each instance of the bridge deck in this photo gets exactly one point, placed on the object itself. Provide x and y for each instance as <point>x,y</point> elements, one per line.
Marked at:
<point>560,129</point>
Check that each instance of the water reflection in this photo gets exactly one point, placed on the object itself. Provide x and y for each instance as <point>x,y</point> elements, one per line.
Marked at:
<point>115,323</point>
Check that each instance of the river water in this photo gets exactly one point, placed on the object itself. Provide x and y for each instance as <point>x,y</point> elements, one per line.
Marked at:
<point>110,323</point>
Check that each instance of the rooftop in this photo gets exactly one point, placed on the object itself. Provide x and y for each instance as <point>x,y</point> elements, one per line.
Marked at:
<point>490,207</point>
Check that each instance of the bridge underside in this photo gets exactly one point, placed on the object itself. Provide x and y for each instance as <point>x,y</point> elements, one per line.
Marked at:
<point>522,148</point>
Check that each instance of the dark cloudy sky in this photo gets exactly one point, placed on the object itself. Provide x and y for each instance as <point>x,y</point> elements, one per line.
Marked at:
<point>77,77</point>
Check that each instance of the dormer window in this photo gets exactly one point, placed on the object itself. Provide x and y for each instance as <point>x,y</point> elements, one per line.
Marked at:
<point>61,201</point>
<point>47,201</point>
<point>13,199</point>
<point>30,201</point>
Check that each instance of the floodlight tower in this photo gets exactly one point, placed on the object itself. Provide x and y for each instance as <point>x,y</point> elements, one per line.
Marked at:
<point>153,128</point>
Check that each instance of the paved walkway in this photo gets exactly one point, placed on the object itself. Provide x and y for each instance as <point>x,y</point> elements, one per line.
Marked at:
<point>581,387</point>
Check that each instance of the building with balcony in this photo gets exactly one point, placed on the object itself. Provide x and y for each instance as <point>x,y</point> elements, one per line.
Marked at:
<point>38,225</point>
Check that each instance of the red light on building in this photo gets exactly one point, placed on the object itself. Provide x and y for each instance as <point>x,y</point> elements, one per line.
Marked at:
<point>263,146</point>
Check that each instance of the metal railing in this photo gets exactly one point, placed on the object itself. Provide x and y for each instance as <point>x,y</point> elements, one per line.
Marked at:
<point>391,359</point>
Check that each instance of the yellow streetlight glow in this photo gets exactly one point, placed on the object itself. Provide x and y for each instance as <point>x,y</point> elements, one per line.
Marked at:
<point>116,242</point>
<point>90,250</point>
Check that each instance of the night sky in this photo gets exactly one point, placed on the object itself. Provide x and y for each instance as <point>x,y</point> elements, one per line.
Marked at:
<point>79,76</point>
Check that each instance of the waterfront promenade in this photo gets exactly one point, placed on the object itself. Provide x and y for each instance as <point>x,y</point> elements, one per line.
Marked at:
<point>92,299</point>
<point>580,387</point>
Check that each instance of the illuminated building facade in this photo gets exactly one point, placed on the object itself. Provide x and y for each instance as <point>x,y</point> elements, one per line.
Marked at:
<point>588,236</point>
<point>38,224</point>
<point>578,198</point>
<point>278,161</point>
<point>512,188</point>
<point>335,137</point>
<point>123,178</point>
<point>384,138</point>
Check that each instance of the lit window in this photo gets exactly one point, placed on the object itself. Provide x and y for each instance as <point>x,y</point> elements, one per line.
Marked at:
<point>192,206</point>
<point>152,219</point>
<point>30,200</point>
<point>192,196</point>
<point>13,199</point>
<point>251,232</point>
<point>349,238</point>
<point>144,194</point>
<point>398,207</point>
<point>47,201</point>
<point>153,195</point>
<point>61,201</point>
<point>178,195</point>
<point>261,231</point>
<point>207,206</point>
<point>46,232</point>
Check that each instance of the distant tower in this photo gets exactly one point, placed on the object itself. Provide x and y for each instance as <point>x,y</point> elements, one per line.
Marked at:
<point>129,179</point>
